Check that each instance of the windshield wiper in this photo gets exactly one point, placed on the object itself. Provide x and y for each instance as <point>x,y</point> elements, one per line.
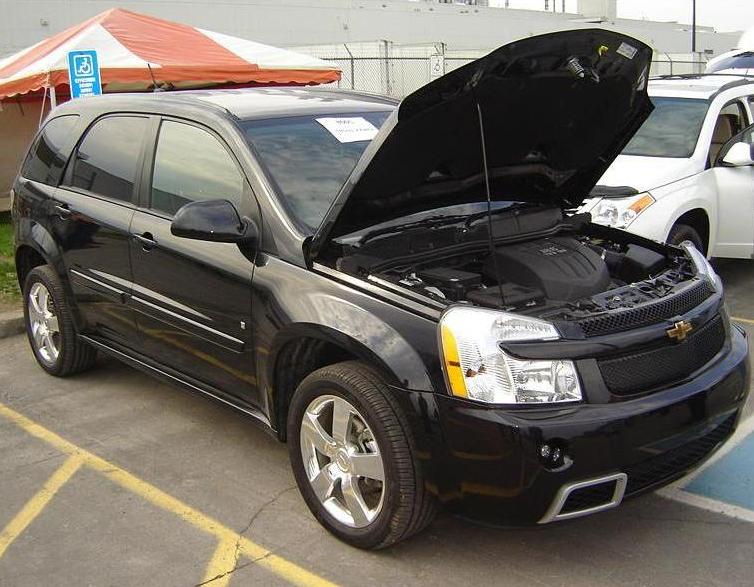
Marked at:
<point>440,219</point>
<point>428,222</point>
<point>471,218</point>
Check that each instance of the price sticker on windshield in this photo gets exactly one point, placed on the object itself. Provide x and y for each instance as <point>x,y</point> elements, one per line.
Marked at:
<point>349,129</point>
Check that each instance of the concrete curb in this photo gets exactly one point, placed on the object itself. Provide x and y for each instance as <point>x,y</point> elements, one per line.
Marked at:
<point>11,323</point>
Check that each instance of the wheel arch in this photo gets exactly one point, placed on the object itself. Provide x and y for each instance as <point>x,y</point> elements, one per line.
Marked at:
<point>27,258</point>
<point>304,348</point>
<point>35,243</point>
<point>35,246</point>
<point>698,219</point>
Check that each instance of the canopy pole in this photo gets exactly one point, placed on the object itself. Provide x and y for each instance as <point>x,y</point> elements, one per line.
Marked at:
<point>53,97</point>
<point>42,110</point>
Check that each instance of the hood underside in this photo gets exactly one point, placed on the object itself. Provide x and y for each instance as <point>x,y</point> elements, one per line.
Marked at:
<point>551,112</point>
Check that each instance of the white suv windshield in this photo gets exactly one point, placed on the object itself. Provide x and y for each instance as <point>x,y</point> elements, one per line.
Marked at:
<point>671,130</point>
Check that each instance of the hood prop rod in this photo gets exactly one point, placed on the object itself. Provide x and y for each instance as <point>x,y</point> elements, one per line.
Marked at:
<point>498,275</point>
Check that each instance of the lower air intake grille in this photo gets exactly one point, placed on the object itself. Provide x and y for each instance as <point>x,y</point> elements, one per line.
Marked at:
<point>677,461</point>
<point>642,371</point>
<point>589,497</point>
<point>647,314</point>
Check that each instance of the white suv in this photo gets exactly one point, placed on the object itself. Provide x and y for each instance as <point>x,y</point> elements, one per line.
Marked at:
<point>688,172</point>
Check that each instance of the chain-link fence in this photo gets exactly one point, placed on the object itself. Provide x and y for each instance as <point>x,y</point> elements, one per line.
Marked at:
<point>384,68</point>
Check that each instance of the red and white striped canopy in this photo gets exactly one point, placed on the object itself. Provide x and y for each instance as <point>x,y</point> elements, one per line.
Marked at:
<point>181,55</point>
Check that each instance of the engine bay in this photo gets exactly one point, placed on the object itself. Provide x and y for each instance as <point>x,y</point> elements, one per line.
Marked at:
<point>531,260</point>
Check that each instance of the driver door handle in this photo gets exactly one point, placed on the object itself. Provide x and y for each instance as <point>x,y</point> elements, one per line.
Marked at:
<point>146,240</point>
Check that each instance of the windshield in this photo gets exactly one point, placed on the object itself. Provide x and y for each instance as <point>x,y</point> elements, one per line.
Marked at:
<point>741,61</point>
<point>308,158</point>
<point>671,130</point>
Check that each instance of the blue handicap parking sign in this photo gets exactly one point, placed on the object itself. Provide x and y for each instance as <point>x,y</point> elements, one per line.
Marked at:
<point>83,72</point>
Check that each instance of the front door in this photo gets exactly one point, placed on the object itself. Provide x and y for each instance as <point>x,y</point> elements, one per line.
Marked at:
<point>91,219</point>
<point>735,203</point>
<point>193,298</point>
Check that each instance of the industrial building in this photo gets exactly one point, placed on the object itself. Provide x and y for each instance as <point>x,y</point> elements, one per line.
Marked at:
<point>469,25</point>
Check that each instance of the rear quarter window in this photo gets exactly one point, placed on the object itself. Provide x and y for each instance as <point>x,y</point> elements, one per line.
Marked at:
<point>50,151</point>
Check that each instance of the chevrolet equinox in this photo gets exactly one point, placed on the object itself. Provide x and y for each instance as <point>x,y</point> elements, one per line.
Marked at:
<point>401,291</point>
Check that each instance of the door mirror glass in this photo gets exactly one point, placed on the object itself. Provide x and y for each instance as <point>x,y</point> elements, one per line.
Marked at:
<point>213,220</point>
<point>739,155</point>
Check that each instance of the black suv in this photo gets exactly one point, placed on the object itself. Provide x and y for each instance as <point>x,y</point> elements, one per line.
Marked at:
<point>396,289</point>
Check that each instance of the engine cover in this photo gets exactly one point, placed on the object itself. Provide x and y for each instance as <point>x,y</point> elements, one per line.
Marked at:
<point>561,267</point>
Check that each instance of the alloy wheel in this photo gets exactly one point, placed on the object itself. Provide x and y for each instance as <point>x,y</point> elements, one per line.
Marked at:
<point>342,461</point>
<point>43,321</point>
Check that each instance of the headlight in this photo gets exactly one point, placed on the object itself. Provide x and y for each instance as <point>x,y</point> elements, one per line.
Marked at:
<point>620,212</point>
<point>477,368</point>
<point>703,267</point>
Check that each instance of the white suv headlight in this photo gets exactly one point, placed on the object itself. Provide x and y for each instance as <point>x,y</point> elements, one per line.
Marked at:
<point>478,369</point>
<point>621,212</point>
<point>703,267</point>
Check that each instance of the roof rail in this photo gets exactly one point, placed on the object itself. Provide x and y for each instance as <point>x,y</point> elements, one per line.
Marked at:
<point>743,79</point>
<point>698,75</point>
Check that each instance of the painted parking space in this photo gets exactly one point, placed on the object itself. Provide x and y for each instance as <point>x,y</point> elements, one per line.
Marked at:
<point>725,483</point>
<point>731,478</point>
<point>232,550</point>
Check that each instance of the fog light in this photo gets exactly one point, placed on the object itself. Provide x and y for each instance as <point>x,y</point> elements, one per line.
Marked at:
<point>552,455</point>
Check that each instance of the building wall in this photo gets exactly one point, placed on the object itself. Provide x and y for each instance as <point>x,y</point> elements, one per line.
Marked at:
<point>315,22</point>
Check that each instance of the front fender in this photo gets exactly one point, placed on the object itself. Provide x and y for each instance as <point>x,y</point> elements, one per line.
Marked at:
<point>291,302</point>
<point>362,335</point>
<point>673,201</point>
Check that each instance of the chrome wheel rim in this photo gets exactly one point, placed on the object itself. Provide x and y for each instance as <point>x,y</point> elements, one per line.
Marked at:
<point>342,461</point>
<point>43,321</point>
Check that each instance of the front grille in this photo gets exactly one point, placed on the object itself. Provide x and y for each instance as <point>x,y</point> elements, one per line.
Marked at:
<point>616,321</point>
<point>675,462</point>
<point>588,497</point>
<point>642,371</point>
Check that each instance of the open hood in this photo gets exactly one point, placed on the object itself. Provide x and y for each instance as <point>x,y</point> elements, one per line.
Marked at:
<point>555,111</point>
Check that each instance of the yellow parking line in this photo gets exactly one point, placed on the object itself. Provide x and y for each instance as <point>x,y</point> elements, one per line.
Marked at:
<point>745,320</point>
<point>37,503</point>
<point>260,555</point>
<point>222,563</point>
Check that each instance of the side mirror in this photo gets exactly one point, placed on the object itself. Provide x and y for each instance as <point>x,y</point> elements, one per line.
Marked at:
<point>213,220</point>
<point>739,155</point>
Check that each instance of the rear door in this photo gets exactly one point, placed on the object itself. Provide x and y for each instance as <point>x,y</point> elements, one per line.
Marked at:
<point>91,218</point>
<point>193,298</point>
<point>35,186</point>
<point>735,215</point>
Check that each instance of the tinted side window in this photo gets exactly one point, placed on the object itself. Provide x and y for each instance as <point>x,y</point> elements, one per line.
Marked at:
<point>107,159</point>
<point>48,155</point>
<point>190,164</point>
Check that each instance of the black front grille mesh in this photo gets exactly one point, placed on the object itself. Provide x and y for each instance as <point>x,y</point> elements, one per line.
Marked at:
<point>663,309</point>
<point>642,371</point>
<point>675,462</point>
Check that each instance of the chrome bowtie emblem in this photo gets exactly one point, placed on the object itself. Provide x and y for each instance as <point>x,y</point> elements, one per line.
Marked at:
<point>680,330</point>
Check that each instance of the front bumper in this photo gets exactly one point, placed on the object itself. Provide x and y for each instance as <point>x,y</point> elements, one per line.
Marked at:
<point>486,463</point>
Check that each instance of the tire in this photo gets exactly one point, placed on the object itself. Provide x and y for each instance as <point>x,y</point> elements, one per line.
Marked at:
<point>684,232</point>
<point>45,305</point>
<point>404,507</point>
